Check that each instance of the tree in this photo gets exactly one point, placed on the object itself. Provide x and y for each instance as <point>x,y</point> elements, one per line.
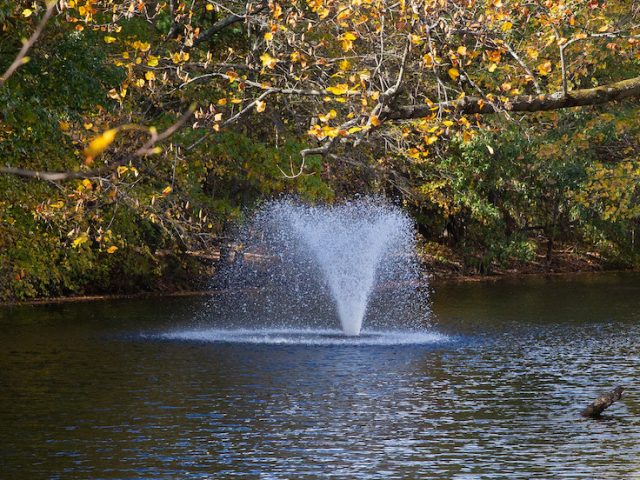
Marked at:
<point>313,96</point>
<point>342,70</point>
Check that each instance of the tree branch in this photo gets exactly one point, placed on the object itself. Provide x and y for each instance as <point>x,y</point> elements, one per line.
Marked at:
<point>146,149</point>
<point>629,88</point>
<point>19,60</point>
<point>228,21</point>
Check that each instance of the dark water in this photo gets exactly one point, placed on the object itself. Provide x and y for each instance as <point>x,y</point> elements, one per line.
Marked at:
<point>85,392</point>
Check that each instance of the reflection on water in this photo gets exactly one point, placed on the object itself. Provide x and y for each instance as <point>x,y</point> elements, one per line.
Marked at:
<point>86,393</point>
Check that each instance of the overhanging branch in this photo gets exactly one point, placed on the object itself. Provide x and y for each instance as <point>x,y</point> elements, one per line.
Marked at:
<point>146,149</point>
<point>523,103</point>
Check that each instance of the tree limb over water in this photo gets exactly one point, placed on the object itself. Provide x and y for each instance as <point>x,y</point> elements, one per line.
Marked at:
<point>624,89</point>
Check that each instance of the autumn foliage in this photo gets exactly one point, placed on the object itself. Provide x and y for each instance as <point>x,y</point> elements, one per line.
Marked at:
<point>134,132</point>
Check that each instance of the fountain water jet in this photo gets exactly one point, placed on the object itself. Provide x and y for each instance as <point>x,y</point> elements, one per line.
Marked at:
<point>348,242</point>
<point>355,258</point>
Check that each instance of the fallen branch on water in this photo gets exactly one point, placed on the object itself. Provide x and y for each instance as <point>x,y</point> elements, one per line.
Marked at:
<point>603,402</point>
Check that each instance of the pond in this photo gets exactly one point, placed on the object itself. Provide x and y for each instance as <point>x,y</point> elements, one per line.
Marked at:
<point>94,390</point>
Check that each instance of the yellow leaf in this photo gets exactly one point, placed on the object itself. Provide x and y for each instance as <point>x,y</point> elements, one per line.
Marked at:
<point>375,121</point>
<point>80,239</point>
<point>462,50</point>
<point>428,60</point>
<point>142,46</point>
<point>86,183</point>
<point>339,89</point>
<point>329,116</point>
<point>152,61</point>
<point>346,40</point>
<point>109,39</point>
<point>100,143</point>
<point>268,36</point>
<point>544,68</point>
<point>58,204</point>
<point>149,75</point>
<point>447,123</point>
<point>261,106</point>
<point>344,65</point>
<point>167,191</point>
<point>492,67</point>
<point>122,170</point>
<point>64,126</point>
<point>277,11</point>
<point>233,76</point>
<point>506,26</point>
<point>27,12</point>
<point>112,249</point>
<point>179,57</point>
<point>268,61</point>
<point>222,101</point>
<point>453,73</point>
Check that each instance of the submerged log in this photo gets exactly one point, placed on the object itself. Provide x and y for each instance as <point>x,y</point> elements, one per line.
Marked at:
<point>603,402</point>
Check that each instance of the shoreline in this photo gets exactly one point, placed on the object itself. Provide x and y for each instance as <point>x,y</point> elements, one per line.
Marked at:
<point>435,279</point>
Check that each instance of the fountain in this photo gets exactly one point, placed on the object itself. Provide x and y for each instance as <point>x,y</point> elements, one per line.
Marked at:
<point>349,242</point>
<point>329,257</point>
<point>299,271</point>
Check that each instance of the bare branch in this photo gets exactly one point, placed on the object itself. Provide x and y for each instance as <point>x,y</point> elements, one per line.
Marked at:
<point>155,137</point>
<point>146,149</point>
<point>19,60</point>
<point>228,21</point>
<point>524,66</point>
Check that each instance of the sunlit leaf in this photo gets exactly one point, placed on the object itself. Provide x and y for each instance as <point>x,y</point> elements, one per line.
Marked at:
<point>100,143</point>
<point>268,61</point>
<point>80,239</point>
<point>339,89</point>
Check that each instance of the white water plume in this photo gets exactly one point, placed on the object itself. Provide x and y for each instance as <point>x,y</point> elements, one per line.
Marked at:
<point>348,242</point>
<point>353,260</point>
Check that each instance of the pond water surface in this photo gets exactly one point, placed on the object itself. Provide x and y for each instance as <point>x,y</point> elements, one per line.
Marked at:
<point>94,390</point>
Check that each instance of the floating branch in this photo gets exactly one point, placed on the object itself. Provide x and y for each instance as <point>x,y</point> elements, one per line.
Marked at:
<point>603,402</point>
